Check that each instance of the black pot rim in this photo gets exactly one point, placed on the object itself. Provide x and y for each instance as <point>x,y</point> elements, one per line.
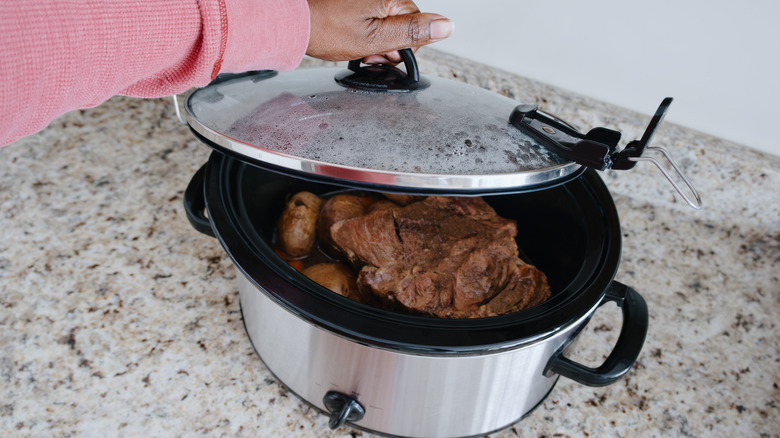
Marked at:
<point>406,333</point>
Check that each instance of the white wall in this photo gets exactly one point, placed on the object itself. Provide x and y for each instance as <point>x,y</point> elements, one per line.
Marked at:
<point>719,59</point>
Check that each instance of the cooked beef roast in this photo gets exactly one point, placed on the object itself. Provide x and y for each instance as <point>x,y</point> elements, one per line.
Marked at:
<point>443,256</point>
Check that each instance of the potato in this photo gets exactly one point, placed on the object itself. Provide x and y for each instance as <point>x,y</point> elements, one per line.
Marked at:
<point>336,209</point>
<point>402,199</point>
<point>297,228</point>
<point>336,277</point>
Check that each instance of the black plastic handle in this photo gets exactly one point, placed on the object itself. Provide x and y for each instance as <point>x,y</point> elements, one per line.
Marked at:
<point>626,350</point>
<point>634,149</point>
<point>598,149</point>
<point>195,203</point>
<point>407,56</point>
<point>384,77</point>
<point>594,149</point>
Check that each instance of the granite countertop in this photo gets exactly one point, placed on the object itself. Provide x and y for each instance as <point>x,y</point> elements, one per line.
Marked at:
<point>118,319</point>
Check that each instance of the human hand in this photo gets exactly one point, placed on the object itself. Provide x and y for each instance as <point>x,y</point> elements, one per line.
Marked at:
<point>343,30</point>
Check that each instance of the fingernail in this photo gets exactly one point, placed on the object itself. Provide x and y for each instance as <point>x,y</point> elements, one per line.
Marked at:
<point>441,28</point>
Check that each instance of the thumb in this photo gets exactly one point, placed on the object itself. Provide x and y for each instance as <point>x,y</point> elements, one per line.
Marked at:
<point>409,30</point>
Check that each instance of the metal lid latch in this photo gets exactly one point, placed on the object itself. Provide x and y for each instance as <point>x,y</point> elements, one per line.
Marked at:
<point>598,149</point>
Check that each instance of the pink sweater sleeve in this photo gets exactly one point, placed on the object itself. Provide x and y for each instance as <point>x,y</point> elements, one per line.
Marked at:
<point>60,55</point>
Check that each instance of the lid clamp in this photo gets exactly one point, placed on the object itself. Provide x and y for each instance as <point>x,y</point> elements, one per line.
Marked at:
<point>598,149</point>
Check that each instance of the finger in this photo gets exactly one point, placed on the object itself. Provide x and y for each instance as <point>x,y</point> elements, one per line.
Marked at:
<point>394,57</point>
<point>400,7</point>
<point>409,30</point>
<point>376,59</point>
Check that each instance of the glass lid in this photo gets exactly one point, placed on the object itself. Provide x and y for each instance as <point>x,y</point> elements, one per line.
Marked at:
<point>360,126</point>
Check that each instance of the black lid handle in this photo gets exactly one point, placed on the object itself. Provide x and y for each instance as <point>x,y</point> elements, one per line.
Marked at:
<point>408,58</point>
<point>598,149</point>
<point>384,77</point>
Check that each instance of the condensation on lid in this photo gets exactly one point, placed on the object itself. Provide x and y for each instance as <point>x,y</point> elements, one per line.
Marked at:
<point>304,120</point>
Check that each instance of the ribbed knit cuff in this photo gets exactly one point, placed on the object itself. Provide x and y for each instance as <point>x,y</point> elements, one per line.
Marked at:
<point>269,34</point>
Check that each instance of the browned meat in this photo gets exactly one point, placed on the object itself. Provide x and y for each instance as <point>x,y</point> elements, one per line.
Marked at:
<point>401,199</point>
<point>384,204</point>
<point>443,256</point>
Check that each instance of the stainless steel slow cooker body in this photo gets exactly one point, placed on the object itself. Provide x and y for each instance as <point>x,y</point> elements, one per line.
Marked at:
<point>413,376</point>
<point>401,393</point>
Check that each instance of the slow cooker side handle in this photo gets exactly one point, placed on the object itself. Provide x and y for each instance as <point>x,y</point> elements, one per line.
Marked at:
<point>195,203</point>
<point>627,348</point>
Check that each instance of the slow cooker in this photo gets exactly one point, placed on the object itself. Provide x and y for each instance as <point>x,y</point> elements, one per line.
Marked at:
<point>378,128</point>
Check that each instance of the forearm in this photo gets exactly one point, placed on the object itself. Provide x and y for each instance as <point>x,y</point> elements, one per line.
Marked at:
<point>67,54</point>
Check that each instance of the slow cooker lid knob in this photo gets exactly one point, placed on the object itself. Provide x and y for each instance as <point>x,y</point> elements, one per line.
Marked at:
<point>342,408</point>
<point>384,77</point>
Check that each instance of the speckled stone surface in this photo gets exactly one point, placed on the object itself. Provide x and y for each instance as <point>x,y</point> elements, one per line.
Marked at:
<point>118,319</point>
